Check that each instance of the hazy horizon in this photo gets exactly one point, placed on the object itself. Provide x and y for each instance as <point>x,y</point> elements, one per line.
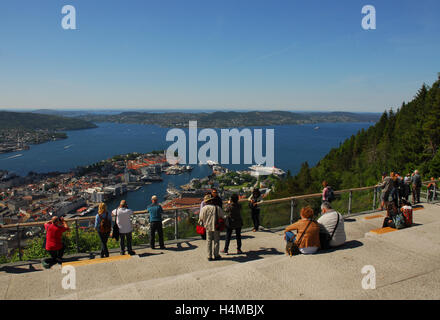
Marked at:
<point>217,55</point>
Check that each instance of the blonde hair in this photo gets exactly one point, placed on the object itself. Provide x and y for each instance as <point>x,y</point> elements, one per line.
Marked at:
<point>102,208</point>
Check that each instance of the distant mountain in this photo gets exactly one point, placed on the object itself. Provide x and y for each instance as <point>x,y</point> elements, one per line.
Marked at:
<point>225,119</point>
<point>33,121</point>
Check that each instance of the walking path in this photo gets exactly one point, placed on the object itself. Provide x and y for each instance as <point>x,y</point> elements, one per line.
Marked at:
<point>407,265</point>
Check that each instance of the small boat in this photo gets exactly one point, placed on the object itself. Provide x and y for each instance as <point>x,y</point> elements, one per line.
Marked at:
<point>67,147</point>
<point>316,128</point>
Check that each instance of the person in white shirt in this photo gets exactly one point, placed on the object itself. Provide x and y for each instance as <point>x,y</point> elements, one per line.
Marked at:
<point>123,220</point>
<point>332,222</point>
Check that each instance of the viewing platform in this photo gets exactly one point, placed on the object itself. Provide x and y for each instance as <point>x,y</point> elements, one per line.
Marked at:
<point>407,265</point>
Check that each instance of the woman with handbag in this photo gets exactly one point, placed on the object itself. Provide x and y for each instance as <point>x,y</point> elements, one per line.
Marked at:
<point>233,221</point>
<point>307,236</point>
<point>103,225</point>
<point>210,218</point>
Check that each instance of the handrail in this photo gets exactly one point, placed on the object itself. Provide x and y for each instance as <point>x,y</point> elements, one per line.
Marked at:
<point>300,197</point>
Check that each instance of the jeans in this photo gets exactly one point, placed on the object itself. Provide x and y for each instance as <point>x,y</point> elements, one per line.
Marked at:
<point>156,226</point>
<point>128,237</point>
<point>290,236</point>
<point>104,238</point>
<point>416,194</point>
<point>228,238</point>
<point>255,214</point>
<point>213,236</point>
<point>55,255</point>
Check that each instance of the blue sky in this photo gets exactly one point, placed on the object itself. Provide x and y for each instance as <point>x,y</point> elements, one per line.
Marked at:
<point>212,54</point>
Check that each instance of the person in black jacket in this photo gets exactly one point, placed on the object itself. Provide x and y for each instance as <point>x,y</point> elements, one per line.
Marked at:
<point>217,201</point>
<point>234,221</point>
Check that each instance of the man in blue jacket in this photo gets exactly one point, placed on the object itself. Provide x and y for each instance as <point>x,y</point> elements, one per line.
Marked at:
<point>155,211</point>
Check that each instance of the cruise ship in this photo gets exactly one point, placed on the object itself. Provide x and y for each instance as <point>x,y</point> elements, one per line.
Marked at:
<point>259,170</point>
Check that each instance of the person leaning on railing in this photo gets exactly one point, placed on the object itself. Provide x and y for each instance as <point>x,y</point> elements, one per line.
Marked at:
<point>103,225</point>
<point>54,244</point>
<point>432,190</point>
<point>310,240</point>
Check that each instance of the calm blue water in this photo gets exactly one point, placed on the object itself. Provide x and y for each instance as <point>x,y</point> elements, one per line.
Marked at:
<point>294,144</point>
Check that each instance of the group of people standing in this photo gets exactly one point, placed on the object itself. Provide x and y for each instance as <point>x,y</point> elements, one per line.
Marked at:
<point>121,229</point>
<point>400,188</point>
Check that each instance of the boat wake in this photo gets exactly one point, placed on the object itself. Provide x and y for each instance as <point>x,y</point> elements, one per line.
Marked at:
<point>12,157</point>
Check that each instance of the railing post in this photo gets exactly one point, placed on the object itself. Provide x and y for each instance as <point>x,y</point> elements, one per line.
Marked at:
<point>176,224</point>
<point>19,243</point>
<point>77,235</point>
<point>292,207</point>
<point>434,196</point>
<point>350,199</point>
<point>374,198</point>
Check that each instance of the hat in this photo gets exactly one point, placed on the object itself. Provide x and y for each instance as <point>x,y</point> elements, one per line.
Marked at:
<point>207,198</point>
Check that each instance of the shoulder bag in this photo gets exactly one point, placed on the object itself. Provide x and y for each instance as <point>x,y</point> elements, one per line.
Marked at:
<point>292,247</point>
<point>325,238</point>
<point>115,234</point>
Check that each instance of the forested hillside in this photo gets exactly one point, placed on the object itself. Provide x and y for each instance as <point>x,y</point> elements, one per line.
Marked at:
<point>400,141</point>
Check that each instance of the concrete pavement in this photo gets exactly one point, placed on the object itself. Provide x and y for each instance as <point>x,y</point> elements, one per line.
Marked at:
<point>407,265</point>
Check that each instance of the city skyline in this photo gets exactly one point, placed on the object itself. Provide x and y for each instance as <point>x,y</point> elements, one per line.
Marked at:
<point>223,55</point>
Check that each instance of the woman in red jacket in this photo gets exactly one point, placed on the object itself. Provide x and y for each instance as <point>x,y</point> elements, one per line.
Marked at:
<point>54,233</point>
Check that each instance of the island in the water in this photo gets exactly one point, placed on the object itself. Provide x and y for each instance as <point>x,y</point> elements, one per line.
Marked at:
<point>20,129</point>
<point>230,119</point>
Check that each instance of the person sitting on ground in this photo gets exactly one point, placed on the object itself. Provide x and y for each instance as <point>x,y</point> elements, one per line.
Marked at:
<point>331,223</point>
<point>310,240</point>
<point>208,218</point>
<point>407,212</point>
<point>103,225</point>
<point>391,212</point>
<point>155,211</point>
<point>234,221</point>
<point>254,201</point>
<point>123,220</point>
<point>54,243</point>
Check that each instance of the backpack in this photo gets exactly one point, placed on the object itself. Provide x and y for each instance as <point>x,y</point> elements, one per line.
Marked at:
<point>105,226</point>
<point>399,221</point>
<point>331,194</point>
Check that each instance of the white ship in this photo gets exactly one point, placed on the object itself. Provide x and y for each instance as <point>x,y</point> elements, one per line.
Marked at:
<point>259,170</point>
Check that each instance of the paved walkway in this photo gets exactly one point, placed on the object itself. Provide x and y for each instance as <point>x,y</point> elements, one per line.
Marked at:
<point>407,264</point>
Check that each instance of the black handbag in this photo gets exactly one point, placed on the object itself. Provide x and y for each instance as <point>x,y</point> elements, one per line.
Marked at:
<point>115,233</point>
<point>325,238</point>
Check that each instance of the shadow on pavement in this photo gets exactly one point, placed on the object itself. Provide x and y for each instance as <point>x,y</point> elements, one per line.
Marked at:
<point>19,269</point>
<point>352,244</point>
<point>247,256</point>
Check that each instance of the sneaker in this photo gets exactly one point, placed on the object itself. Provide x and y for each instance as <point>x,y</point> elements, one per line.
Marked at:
<point>218,258</point>
<point>131,253</point>
<point>122,253</point>
<point>239,251</point>
<point>59,261</point>
<point>210,259</point>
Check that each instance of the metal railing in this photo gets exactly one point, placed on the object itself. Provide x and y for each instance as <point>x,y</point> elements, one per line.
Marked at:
<point>274,213</point>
